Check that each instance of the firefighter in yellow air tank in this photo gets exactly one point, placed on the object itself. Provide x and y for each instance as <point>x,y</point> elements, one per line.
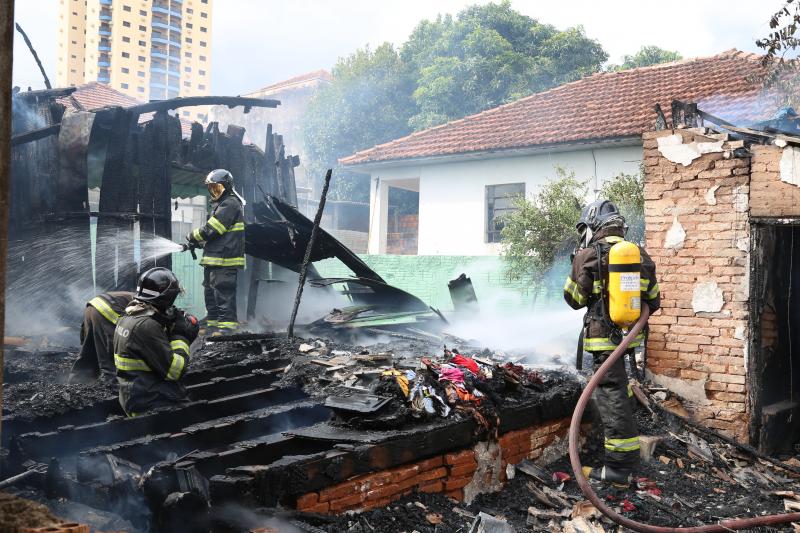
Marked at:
<point>612,279</point>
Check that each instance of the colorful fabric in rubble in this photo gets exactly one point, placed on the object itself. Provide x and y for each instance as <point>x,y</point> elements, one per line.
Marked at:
<point>465,362</point>
<point>451,373</point>
<point>400,378</point>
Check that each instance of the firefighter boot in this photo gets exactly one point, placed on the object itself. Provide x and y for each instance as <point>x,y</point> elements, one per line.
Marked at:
<point>620,479</point>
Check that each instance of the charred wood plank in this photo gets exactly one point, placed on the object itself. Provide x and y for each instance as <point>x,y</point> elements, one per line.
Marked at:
<point>70,440</point>
<point>35,135</point>
<point>211,435</point>
<point>190,101</point>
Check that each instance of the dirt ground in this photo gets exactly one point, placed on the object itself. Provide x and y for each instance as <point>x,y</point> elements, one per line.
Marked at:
<point>17,512</point>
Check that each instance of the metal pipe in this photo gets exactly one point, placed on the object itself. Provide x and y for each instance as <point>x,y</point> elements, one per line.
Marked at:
<point>574,459</point>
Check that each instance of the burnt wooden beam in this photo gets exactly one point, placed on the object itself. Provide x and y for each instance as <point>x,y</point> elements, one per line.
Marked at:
<point>35,56</point>
<point>190,101</point>
<point>6,56</point>
<point>35,135</point>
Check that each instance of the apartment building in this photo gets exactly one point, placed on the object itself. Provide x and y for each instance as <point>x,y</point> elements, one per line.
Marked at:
<point>147,49</point>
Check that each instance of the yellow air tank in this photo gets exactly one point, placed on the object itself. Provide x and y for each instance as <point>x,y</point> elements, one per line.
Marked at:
<point>624,292</point>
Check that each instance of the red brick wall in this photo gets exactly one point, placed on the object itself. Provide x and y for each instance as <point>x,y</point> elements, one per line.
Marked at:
<point>450,473</point>
<point>700,352</point>
<point>769,196</point>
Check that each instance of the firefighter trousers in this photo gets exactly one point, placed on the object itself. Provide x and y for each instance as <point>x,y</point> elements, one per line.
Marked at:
<point>96,357</point>
<point>613,399</point>
<point>220,297</point>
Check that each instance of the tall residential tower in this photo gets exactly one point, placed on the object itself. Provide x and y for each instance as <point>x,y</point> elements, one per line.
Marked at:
<point>148,49</point>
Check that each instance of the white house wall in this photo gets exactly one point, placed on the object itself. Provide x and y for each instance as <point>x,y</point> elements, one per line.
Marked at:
<point>452,196</point>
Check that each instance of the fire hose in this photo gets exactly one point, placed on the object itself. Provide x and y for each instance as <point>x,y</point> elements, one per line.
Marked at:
<point>583,483</point>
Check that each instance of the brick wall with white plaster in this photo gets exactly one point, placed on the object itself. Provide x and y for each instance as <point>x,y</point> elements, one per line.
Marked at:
<point>696,211</point>
<point>700,199</point>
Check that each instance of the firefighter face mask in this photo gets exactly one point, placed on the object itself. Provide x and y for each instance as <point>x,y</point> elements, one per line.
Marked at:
<point>216,190</point>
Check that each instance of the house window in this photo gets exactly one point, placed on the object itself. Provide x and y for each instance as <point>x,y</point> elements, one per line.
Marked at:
<point>142,28</point>
<point>189,10</point>
<point>142,43</point>
<point>187,69</point>
<point>125,54</point>
<point>500,202</point>
<point>188,39</point>
<point>142,12</point>
<point>186,113</point>
<point>201,87</point>
<point>203,29</point>
<point>125,70</point>
<point>142,58</point>
<point>187,54</point>
<point>140,89</point>
<point>140,74</point>
<point>189,25</point>
<point>126,23</point>
<point>126,8</point>
<point>204,15</point>
<point>202,72</point>
<point>202,43</point>
<point>124,85</point>
<point>126,39</point>
<point>202,58</point>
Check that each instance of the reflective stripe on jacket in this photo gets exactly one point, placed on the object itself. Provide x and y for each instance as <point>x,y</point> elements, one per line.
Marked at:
<point>222,236</point>
<point>149,363</point>
<point>585,288</point>
<point>111,304</point>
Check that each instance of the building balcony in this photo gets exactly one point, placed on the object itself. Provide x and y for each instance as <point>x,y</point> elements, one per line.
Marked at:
<point>105,17</point>
<point>104,48</point>
<point>161,40</point>
<point>159,55</point>
<point>157,85</point>
<point>103,64</point>
<point>166,11</point>
<point>103,79</point>
<point>158,70</point>
<point>105,33</point>
<point>164,26</point>
<point>105,2</point>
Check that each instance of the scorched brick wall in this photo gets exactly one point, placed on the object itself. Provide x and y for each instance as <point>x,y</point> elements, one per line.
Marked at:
<point>698,235</point>
<point>461,474</point>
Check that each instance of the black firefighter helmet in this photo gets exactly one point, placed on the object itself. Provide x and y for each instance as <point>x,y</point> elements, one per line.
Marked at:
<point>219,182</point>
<point>598,214</point>
<point>158,286</point>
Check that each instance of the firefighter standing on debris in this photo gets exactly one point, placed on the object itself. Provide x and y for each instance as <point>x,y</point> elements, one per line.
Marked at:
<point>96,358</point>
<point>600,227</point>
<point>222,240</point>
<point>151,345</point>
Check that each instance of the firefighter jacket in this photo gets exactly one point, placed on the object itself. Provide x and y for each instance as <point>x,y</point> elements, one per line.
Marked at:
<point>111,304</point>
<point>222,237</point>
<point>148,360</point>
<point>585,287</point>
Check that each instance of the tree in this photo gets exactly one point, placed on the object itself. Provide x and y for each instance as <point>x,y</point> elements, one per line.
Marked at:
<point>646,56</point>
<point>542,229</point>
<point>781,65</point>
<point>627,192</point>
<point>368,102</point>
<point>539,235</point>
<point>490,55</point>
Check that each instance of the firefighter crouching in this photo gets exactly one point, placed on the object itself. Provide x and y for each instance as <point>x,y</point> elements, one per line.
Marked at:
<point>96,358</point>
<point>151,345</point>
<point>600,227</point>
<point>222,240</point>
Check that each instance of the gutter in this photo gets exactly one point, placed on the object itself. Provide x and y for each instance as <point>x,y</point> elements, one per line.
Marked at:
<point>607,142</point>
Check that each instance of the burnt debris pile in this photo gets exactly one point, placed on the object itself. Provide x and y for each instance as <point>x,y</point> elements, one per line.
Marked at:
<point>270,420</point>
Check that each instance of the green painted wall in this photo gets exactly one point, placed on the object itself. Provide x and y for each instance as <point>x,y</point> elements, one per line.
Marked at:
<point>426,277</point>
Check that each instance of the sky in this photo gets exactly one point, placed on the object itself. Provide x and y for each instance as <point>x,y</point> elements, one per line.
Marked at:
<point>259,42</point>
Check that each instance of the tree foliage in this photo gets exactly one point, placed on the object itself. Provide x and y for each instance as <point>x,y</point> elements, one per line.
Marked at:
<point>627,193</point>
<point>645,57</point>
<point>368,102</point>
<point>542,228</point>
<point>489,55</point>
<point>538,236</point>
<point>449,68</point>
<point>780,61</point>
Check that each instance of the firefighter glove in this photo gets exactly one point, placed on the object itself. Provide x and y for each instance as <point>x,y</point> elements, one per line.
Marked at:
<point>186,326</point>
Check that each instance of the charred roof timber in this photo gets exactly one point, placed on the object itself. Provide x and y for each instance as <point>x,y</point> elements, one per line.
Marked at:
<point>135,111</point>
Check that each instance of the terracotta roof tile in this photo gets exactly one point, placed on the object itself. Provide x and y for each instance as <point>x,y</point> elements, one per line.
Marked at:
<point>601,106</point>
